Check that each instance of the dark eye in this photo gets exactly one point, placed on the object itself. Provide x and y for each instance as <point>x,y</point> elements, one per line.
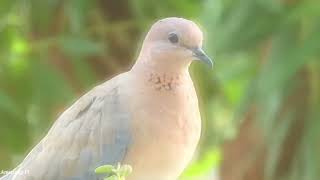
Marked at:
<point>173,38</point>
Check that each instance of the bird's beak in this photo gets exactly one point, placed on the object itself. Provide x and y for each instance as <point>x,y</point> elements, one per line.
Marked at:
<point>199,54</point>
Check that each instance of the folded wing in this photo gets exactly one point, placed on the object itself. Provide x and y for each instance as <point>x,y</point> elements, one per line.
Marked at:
<point>92,132</point>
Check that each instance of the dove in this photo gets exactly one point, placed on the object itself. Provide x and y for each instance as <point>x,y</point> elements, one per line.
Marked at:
<point>147,117</point>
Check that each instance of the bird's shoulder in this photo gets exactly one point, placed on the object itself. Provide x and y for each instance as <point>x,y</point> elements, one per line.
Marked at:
<point>105,94</point>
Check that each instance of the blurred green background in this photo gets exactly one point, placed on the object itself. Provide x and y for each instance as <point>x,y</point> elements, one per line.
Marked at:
<point>260,104</point>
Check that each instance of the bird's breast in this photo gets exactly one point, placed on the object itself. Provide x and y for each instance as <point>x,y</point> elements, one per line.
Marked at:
<point>166,132</point>
<point>169,115</point>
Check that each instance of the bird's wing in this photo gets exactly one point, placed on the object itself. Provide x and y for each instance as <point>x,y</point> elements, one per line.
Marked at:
<point>92,132</point>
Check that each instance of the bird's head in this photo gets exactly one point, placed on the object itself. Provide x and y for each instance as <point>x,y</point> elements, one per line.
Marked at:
<point>173,43</point>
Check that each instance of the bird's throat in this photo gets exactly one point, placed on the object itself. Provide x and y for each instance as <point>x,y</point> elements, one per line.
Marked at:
<point>162,78</point>
<point>165,81</point>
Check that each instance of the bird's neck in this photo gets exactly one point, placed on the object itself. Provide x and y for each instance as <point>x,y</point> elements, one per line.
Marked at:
<point>161,78</point>
<point>161,64</point>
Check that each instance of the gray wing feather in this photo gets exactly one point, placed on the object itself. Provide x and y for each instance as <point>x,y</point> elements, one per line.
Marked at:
<point>93,132</point>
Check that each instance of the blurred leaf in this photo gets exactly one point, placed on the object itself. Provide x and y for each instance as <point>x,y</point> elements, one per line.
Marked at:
<point>83,72</point>
<point>277,139</point>
<point>7,104</point>
<point>43,14</point>
<point>210,160</point>
<point>113,177</point>
<point>234,75</point>
<point>284,63</point>
<point>18,59</point>
<point>78,11</point>
<point>270,86</point>
<point>5,7</point>
<point>272,5</point>
<point>125,170</point>
<point>80,47</point>
<point>19,45</point>
<point>105,169</point>
<point>310,159</point>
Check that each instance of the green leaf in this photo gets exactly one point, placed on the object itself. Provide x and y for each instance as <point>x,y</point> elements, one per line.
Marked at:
<point>113,177</point>
<point>105,169</point>
<point>125,170</point>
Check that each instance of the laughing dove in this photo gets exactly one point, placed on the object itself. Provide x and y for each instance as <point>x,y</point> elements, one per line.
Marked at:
<point>147,117</point>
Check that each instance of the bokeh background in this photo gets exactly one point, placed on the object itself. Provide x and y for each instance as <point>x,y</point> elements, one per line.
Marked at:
<point>260,103</point>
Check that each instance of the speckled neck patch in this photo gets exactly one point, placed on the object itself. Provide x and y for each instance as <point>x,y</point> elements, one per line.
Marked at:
<point>164,82</point>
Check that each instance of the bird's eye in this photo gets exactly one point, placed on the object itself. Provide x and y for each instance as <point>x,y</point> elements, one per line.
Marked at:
<point>173,38</point>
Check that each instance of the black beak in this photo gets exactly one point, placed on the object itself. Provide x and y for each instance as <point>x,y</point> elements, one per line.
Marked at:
<point>199,54</point>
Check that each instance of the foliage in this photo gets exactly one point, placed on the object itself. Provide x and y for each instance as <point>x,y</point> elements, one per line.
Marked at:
<point>270,52</point>
<point>119,172</point>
